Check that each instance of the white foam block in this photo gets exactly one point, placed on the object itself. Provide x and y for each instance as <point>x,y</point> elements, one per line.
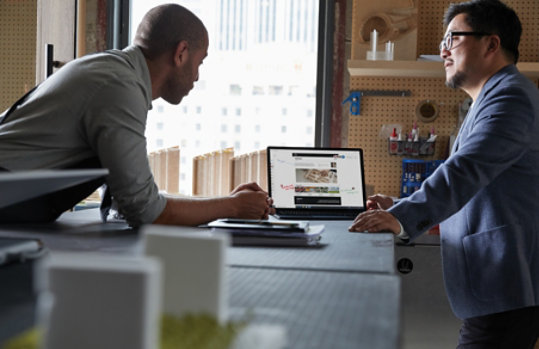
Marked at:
<point>90,300</point>
<point>259,336</point>
<point>194,262</point>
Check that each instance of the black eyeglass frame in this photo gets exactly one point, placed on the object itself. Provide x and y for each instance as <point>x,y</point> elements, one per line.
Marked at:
<point>447,41</point>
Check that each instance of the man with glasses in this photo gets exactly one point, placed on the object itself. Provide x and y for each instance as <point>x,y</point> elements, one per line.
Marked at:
<point>486,193</point>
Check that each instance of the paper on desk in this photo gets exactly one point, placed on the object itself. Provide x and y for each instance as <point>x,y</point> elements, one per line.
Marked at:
<point>271,237</point>
<point>251,224</point>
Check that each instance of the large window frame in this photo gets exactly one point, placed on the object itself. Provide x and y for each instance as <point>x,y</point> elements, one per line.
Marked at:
<point>118,37</point>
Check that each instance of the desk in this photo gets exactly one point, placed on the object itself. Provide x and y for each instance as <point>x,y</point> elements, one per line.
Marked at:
<point>340,250</point>
<point>342,295</point>
<point>321,309</point>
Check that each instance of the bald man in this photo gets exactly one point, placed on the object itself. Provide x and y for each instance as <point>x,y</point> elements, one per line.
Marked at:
<point>92,113</point>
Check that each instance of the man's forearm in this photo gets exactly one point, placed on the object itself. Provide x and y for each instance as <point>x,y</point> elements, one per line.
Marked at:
<point>195,211</point>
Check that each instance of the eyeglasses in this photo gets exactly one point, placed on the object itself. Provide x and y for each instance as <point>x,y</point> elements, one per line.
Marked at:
<point>447,41</point>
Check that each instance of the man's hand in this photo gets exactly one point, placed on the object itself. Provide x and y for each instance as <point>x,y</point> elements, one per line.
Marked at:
<point>379,201</point>
<point>251,204</point>
<point>252,201</point>
<point>253,186</point>
<point>375,220</point>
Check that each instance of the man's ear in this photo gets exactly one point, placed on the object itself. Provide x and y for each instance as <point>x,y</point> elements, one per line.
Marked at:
<point>181,53</point>
<point>494,43</point>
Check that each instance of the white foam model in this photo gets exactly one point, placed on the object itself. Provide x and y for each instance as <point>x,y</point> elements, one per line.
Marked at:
<point>90,300</point>
<point>194,261</point>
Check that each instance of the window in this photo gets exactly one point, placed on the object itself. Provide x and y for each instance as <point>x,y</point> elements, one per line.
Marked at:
<point>293,90</point>
<point>235,90</point>
<point>275,90</point>
<point>243,68</point>
<point>258,91</point>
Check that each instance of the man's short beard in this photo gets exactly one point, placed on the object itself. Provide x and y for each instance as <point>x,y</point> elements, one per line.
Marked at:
<point>456,81</point>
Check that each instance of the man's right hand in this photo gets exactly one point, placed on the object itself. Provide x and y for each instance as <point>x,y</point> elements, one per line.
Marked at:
<point>251,204</point>
<point>379,201</point>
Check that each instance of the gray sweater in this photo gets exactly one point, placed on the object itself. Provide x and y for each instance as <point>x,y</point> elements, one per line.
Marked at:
<point>95,106</point>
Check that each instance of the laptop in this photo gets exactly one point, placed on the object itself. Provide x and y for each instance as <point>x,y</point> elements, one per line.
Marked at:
<point>316,183</point>
<point>19,186</point>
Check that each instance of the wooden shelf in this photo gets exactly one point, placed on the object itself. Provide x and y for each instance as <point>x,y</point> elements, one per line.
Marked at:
<point>530,69</point>
<point>396,68</point>
<point>421,69</point>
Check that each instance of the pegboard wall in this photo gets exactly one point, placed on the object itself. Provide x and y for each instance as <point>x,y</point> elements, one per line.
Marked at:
<point>383,170</point>
<point>18,26</point>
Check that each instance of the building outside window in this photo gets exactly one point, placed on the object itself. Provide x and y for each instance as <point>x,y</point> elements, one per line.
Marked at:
<point>235,89</point>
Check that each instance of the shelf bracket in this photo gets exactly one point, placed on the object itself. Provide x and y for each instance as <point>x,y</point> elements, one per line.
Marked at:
<point>355,97</point>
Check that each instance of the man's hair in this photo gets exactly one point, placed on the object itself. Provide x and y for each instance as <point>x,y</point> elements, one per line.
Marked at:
<point>493,17</point>
<point>164,26</point>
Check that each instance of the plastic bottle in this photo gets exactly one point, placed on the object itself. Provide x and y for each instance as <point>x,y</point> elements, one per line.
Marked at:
<point>393,142</point>
<point>400,142</point>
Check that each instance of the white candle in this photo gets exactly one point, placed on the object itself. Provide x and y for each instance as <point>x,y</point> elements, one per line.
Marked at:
<point>389,50</point>
<point>374,41</point>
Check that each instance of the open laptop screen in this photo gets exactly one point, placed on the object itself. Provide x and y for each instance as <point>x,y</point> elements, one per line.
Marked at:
<point>316,178</point>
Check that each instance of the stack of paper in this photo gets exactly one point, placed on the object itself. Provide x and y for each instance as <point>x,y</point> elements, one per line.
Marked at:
<point>269,233</point>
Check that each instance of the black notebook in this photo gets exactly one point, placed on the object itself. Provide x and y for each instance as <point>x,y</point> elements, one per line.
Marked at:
<point>269,233</point>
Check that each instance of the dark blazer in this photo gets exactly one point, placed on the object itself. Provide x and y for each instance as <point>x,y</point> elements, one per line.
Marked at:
<point>486,195</point>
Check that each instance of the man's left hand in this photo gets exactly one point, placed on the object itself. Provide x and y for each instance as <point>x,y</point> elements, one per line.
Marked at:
<point>374,221</point>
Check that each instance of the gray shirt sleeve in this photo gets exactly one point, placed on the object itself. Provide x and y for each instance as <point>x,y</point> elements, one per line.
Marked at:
<point>114,125</point>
